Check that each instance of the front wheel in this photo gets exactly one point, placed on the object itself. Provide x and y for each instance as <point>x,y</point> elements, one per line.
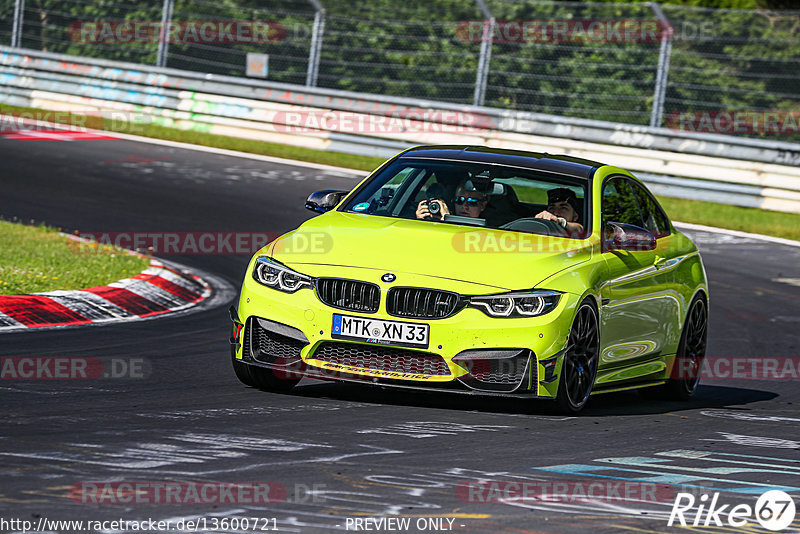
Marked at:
<point>262,377</point>
<point>579,368</point>
<point>267,379</point>
<point>242,372</point>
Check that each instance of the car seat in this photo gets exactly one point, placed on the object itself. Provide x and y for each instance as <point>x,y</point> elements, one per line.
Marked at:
<point>503,205</point>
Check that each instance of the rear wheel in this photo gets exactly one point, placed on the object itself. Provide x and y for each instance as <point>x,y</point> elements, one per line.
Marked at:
<point>579,368</point>
<point>691,352</point>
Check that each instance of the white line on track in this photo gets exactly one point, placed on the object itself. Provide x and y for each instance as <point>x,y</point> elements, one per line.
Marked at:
<point>737,233</point>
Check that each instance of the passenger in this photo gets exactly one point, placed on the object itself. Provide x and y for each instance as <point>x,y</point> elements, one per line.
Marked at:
<point>469,202</point>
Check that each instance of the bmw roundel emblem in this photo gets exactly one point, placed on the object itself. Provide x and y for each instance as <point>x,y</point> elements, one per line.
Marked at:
<point>388,277</point>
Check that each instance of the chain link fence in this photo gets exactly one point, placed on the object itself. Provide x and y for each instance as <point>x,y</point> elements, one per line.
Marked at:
<point>629,63</point>
<point>287,40</point>
<point>48,25</point>
<point>607,79</point>
<point>400,48</point>
<point>733,60</point>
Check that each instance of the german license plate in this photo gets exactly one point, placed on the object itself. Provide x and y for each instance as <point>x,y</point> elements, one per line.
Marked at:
<point>380,332</point>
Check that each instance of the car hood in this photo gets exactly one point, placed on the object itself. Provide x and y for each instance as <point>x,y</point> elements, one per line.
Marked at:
<point>495,259</point>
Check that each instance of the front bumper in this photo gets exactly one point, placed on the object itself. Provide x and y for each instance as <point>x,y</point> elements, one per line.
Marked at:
<point>467,352</point>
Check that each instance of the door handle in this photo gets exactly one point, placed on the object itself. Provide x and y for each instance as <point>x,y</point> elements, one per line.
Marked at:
<point>660,262</point>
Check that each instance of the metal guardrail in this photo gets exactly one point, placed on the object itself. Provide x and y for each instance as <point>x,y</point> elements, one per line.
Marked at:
<point>636,63</point>
<point>740,171</point>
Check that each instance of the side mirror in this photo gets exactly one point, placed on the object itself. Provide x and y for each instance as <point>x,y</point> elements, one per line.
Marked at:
<point>322,201</point>
<point>620,236</point>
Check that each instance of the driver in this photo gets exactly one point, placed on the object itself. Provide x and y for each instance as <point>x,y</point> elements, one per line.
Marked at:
<point>562,207</point>
<point>469,202</point>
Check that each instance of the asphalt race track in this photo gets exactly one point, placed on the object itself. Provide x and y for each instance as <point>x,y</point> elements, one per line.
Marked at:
<point>332,453</point>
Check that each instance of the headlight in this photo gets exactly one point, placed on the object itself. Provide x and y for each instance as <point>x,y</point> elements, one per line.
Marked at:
<point>528,304</point>
<point>272,274</point>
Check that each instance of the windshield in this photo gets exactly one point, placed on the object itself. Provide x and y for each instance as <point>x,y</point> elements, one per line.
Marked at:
<point>477,194</point>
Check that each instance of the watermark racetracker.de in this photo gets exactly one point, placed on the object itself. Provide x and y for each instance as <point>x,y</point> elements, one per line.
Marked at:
<point>176,31</point>
<point>75,121</point>
<point>566,31</point>
<point>73,368</point>
<point>199,242</point>
<point>735,122</point>
<point>570,491</point>
<point>399,121</point>
<point>739,368</point>
<point>171,492</point>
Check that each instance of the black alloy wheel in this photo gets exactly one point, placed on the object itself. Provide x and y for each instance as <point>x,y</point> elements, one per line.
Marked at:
<point>579,368</point>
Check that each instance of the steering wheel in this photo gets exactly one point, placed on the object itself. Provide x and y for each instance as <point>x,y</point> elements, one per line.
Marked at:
<point>536,226</point>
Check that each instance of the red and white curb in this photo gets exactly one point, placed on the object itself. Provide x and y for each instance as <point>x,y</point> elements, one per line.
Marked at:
<point>52,135</point>
<point>160,289</point>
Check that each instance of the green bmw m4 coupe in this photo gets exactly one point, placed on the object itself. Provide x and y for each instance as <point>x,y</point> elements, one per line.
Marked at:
<point>479,271</point>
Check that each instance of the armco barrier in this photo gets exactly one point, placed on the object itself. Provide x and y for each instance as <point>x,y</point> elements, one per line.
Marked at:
<point>740,171</point>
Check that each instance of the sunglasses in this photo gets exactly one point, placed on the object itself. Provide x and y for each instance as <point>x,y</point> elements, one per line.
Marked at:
<point>471,202</point>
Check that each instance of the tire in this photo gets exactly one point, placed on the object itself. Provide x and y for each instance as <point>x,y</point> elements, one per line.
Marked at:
<point>579,368</point>
<point>691,352</point>
<point>242,372</point>
<point>239,367</point>
<point>266,379</point>
<point>261,377</point>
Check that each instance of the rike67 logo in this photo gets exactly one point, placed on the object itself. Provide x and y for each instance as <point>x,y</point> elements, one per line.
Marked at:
<point>774,510</point>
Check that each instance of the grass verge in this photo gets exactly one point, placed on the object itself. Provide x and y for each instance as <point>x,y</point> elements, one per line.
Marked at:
<point>39,258</point>
<point>779,224</point>
<point>774,223</point>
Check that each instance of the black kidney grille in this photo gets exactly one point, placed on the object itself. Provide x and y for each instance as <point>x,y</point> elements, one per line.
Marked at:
<point>421,303</point>
<point>349,294</point>
<point>382,358</point>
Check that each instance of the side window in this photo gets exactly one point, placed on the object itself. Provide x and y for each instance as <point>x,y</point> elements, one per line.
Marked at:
<point>619,203</point>
<point>654,219</point>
